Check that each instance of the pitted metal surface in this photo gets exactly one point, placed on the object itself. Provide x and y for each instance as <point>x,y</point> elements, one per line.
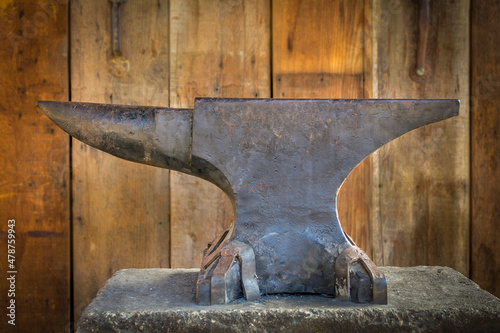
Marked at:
<point>281,162</point>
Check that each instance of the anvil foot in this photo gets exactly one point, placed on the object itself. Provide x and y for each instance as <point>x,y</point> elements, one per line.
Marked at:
<point>227,272</point>
<point>357,278</point>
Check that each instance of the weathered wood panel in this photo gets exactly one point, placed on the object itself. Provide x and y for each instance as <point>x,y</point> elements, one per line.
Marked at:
<point>318,49</point>
<point>422,179</point>
<point>318,52</point>
<point>485,148</point>
<point>34,166</point>
<point>218,49</point>
<point>120,209</point>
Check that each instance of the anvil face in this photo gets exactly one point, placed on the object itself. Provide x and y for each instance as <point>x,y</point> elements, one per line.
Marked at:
<point>282,163</point>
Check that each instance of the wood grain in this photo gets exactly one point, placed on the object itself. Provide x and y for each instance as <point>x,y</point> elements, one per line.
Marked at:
<point>34,164</point>
<point>120,209</point>
<point>218,49</point>
<point>422,179</point>
<point>318,52</point>
<point>485,157</point>
<point>321,49</point>
<point>317,49</point>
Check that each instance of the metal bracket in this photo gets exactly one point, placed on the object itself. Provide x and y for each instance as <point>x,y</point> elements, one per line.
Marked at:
<point>423,31</point>
<point>343,266</point>
<point>118,65</point>
<point>219,278</point>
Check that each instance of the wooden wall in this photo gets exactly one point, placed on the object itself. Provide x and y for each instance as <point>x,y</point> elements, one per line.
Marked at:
<point>34,166</point>
<point>421,180</point>
<point>408,204</point>
<point>120,209</point>
<point>485,147</point>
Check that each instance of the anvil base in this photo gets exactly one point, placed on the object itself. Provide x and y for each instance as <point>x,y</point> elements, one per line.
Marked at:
<point>419,299</point>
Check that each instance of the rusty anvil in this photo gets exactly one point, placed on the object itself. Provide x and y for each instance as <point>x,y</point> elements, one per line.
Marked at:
<point>282,163</point>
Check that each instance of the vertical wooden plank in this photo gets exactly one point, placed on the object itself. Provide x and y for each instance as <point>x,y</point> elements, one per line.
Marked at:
<point>120,209</point>
<point>485,150</point>
<point>422,179</point>
<point>318,52</point>
<point>34,164</point>
<point>317,49</point>
<point>218,49</point>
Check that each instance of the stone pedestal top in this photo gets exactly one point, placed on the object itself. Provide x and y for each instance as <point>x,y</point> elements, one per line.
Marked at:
<point>420,299</point>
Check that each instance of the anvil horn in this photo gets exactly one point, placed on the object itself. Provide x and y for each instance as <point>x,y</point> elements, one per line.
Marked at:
<point>156,136</point>
<point>160,137</point>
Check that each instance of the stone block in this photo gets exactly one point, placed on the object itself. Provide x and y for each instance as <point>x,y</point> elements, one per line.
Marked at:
<point>420,299</point>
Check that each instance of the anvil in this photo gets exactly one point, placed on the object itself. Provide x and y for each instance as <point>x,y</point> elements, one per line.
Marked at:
<point>282,163</point>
